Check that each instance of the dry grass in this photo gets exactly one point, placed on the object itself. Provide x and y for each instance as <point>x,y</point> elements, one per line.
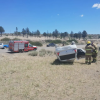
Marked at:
<point>29,38</point>
<point>24,77</point>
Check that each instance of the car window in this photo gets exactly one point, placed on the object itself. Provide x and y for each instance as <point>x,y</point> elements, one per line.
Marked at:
<point>0,44</point>
<point>30,45</point>
<point>79,50</point>
<point>26,45</point>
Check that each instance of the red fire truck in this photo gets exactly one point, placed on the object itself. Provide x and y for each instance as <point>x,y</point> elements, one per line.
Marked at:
<point>20,46</point>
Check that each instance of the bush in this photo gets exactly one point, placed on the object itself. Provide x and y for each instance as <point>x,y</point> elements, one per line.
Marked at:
<point>54,41</point>
<point>8,39</point>
<point>42,52</point>
<point>5,39</point>
<point>16,39</point>
<point>35,43</point>
<point>33,53</point>
<point>49,41</point>
<point>66,43</point>
<point>48,52</point>
<point>72,40</point>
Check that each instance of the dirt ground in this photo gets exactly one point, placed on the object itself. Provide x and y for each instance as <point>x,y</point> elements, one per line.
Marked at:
<point>24,77</point>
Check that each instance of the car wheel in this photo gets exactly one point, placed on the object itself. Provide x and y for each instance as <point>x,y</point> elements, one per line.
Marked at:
<point>35,48</point>
<point>21,51</point>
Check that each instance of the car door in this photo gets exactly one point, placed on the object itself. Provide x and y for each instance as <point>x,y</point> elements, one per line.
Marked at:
<point>80,53</point>
<point>0,45</point>
<point>30,47</point>
<point>26,47</point>
<point>52,44</point>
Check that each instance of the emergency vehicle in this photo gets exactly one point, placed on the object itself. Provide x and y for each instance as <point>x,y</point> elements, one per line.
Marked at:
<point>21,46</point>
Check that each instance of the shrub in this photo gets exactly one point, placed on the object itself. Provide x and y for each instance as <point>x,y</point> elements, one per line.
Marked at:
<point>8,39</point>
<point>54,41</point>
<point>66,43</point>
<point>5,39</point>
<point>33,53</point>
<point>49,41</point>
<point>16,39</point>
<point>72,40</point>
<point>35,43</point>
<point>48,52</point>
<point>42,52</point>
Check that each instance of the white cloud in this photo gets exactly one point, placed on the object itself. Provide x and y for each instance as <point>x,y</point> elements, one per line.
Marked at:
<point>82,15</point>
<point>97,5</point>
<point>58,14</point>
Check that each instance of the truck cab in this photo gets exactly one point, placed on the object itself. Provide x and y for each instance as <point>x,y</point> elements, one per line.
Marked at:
<point>3,46</point>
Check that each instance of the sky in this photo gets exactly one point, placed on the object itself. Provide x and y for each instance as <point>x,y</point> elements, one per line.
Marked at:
<point>48,15</point>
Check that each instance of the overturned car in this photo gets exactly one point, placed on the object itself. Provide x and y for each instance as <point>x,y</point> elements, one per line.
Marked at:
<point>69,53</point>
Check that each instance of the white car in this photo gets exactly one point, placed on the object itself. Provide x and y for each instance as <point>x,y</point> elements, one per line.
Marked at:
<point>69,53</point>
<point>1,45</point>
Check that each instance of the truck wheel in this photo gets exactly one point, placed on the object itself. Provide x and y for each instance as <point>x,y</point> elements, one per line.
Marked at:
<point>5,47</point>
<point>35,49</point>
<point>20,50</point>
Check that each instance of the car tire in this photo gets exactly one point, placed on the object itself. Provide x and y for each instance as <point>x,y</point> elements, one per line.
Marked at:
<point>35,49</point>
<point>21,50</point>
<point>5,48</point>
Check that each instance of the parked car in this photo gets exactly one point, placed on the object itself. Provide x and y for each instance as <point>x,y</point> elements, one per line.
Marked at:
<point>3,46</point>
<point>51,45</point>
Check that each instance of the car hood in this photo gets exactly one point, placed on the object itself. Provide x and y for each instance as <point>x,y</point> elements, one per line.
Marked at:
<point>34,46</point>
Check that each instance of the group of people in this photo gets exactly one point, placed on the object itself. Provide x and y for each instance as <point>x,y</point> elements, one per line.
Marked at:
<point>91,52</point>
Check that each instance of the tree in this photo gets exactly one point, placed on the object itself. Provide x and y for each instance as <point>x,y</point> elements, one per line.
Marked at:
<point>23,32</point>
<point>62,35</point>
<point>79,35</point>
<point>98,36</point>
<point>49,35</point>
<point>27,31</point>
<point>44,34</point>
<point>71,34</point>
<point>84,34</point>
<point>76,35</point>
<point>16,31</point>
<point>38,33</point>
<point>55,33</point>
<point>34,33</point>
<point>66,34</point>
<point>1,30</point>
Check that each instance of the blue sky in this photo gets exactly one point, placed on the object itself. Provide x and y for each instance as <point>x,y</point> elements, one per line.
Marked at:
<point>48,15</point>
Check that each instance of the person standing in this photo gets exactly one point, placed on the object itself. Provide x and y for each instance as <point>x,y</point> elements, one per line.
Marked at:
<point>95,52</point>
<point>73,43</point>
<point>89,49</point>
